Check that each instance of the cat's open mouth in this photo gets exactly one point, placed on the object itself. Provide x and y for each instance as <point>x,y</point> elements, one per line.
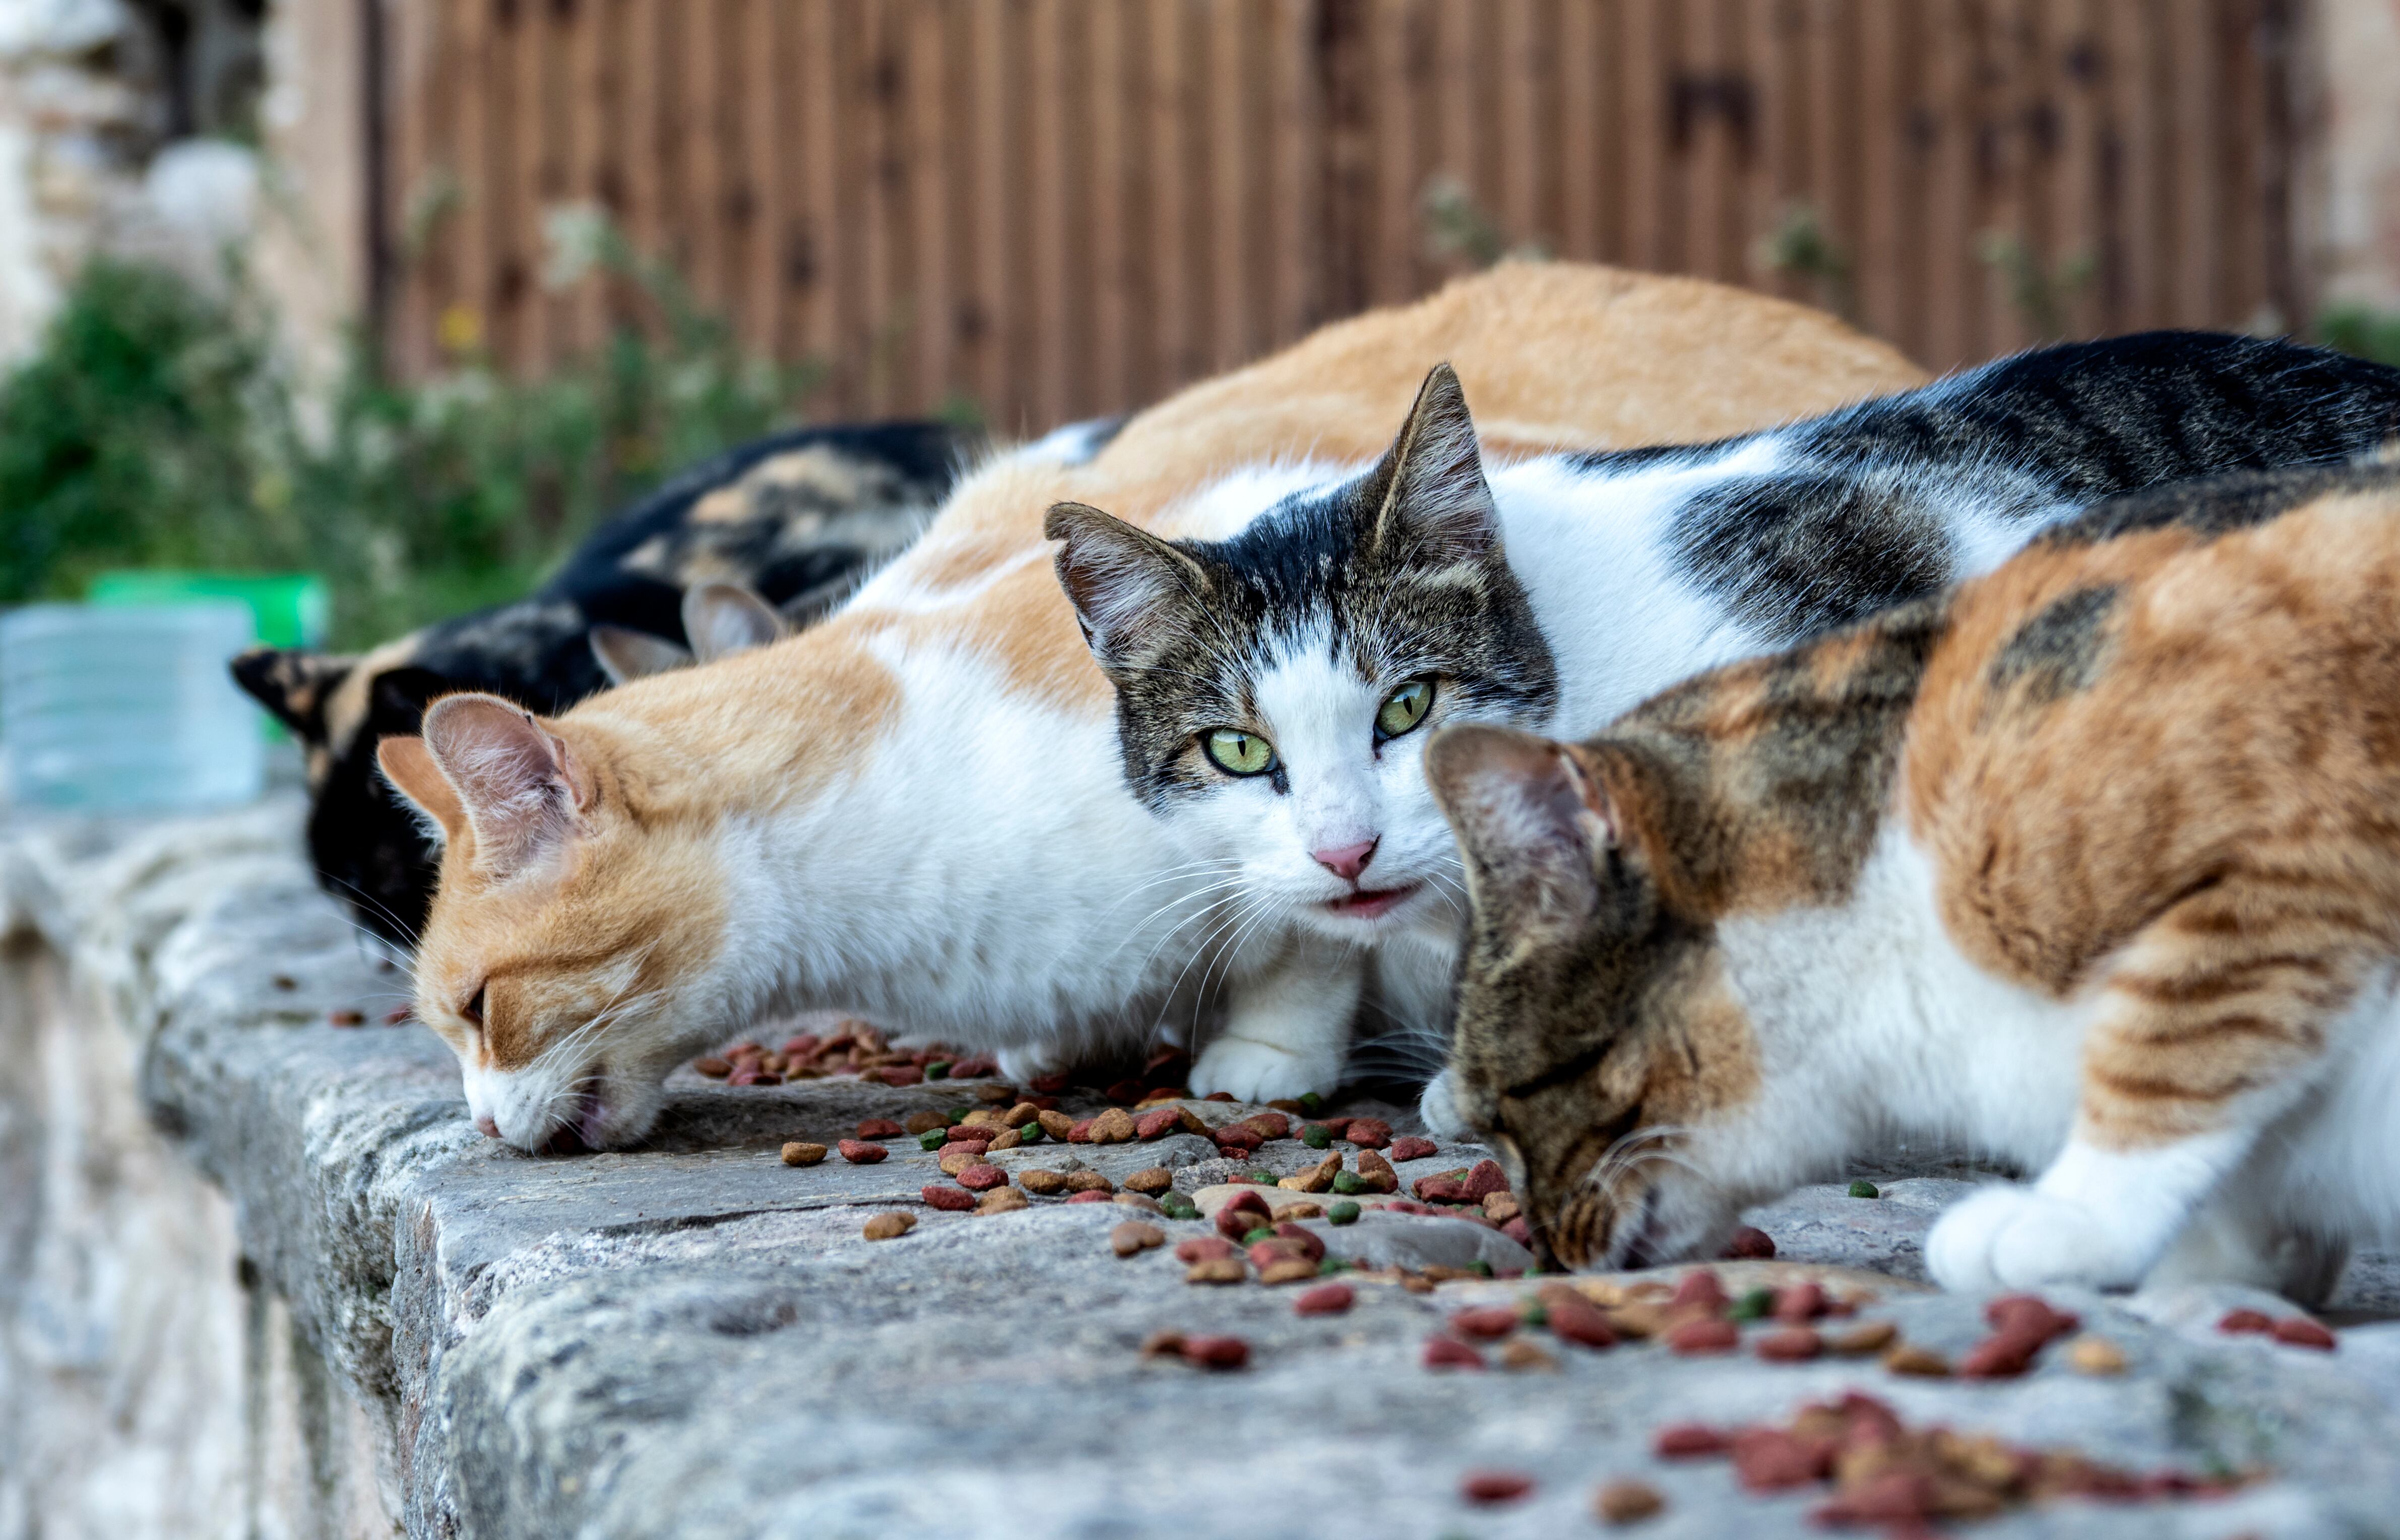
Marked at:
<point>1372,905</point>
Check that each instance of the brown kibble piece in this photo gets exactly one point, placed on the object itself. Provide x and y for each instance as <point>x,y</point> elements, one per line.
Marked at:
<point>1800,1302</point>
<point>800,1154</point>
<point>1009,1139</point>
<point>346,1018</point>
<point>1700,1288</point>
<point>1908,1358</point>
<point>860,1153</point>
<point>1450,1353</point>
<point>1377,1172</point>
<point>1057,1124</point>
<point>1573,1318</point>
<point>1133,1236</point>
<point>1627,1501</point>
<point>1289,1270</point>
<point>924,1123</point>
<point>714,1069</point>
<point>889,1227</point>
<point>1203,1248</point>
<point>1409,1147</point>
<point>1500,1207</point>
<point>1021,1115</point>
<point>2241,1321</point>
<point>1044,1182</point>
<point>1158,1123</point>
<point>1220,1269</point>
<point>1141,1201</point>
<point>1750,1244</point>
<point>1293,1213</point>
<point>1866,1338</point>
<point>1113,1126</point>
<point>958,1157</point>
<point>1089,1181</point>
<point>1317,1178</point>
<point>1163,1345</point>
<point>1002,1200</point>
<point>1270,1125</point>
<point>1151,1179</point>
<point>1523,1357</point>
<point>2090,1355</point>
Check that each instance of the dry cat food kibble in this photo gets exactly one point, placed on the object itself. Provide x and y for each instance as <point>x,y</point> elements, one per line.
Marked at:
<point>2089,1355</point>
<point>800,1154</point>
<point>1495,1486</point>
<point>1133,1236</point>
<point>346,1018</point>
<point>1057,1124</point>
<point>2022,1327</point>
<point>1919,1362</point>
<point>982,1179</point>
<point>880,1128</point>
<point>955,1158</point>
<point>1139,1200</point>
<point>924,1123</point>
<point>1627,1503</point>
<point>1089,1181</point>
<point>1864,1339</point>
<point>1690,1338</point>
<point>1002,1200</point>
<point>1750,1244</point>
<point>714,1069</point>
<point>1368,1133</point>
<point>1090,1194</point>
<point>1220,1270</point>
<point>957,1200</point>
<point>1113,1126</point>
<point>889,1227</point>
<point>1152,1179</point>
<point>1332,1299</point>
<point>1216,1351</point>
<point>1044,1182</point>
<point>1450,1353</point>
<point>1376,1173</point>
<point>860,1153</point>
<point>2299,1331</point>
<point>1792,1344</point>
<point>1573,1318</point>
<point>1409,1147</point>
<point>1288,1270</point>
<point>1521,1357</point>
<point>1487,1322</point>
<point>1203,1248</point>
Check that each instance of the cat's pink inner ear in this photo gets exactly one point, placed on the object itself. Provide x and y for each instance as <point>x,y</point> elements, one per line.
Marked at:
<point>409,766</point>
<point>513,777</point>
<point>1120,579</point>
<point>1529,816</point>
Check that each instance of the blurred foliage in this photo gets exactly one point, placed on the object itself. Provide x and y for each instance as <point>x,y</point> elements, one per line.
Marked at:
<point>2359,329</point>
<point>1803,247</point>
<point>2044,296</point>
<point>1458,229</point>
<point>156,427</point>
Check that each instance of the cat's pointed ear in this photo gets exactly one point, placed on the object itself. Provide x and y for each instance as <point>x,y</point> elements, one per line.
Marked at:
<point>1531,818</point>
<point>625,655</point>
<point>294,683</point>
<point>723,619</point>
<point>1432,506</point>
<point>518,793</point>
<point>1125,583</point>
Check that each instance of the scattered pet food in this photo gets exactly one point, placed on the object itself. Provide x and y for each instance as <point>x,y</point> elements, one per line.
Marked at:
<point>1705,1335</point>
<point>1409,1147</point>
<point>1044,1182</point>
<point>1003,1200</point>
<point>1133,1236</point>
<point>1331,1298</point>
<point>1487,1323</point>
<point>1522,1357</point>
<point>1863,1188</point>
<point>860,1153</point>
<point>1288,1270</point>
<point>1627,1501</point>
<point>1203,1248</point>
<point>880,1128</point>
<point>1495,1486</point>
<point>1750,1244</point>
<point>2090,1355</point>
<point>957,1200</point>
<point>714,1069</point>
<point>800,1154</point>
<point>1791,1345</point>
<point>1367,1133</point>
<point>346,1018</point>
<point>1216,1351</point>
<point>982,1179</point>
<point>2022,1327</point>
<point>1089,1181</point>
<point>1864,1339</point>
<point>1450,1353</point>
<point>919,1123</point>
<point>889,1227</point>
<point>1147,1204</point>
<point>1055,1124</point>
<point>1904,1357</point>
<point>1218,1270</point>
<point>1687,1441</point>
<point>1342,1213</point>
<point>1091,1194</point>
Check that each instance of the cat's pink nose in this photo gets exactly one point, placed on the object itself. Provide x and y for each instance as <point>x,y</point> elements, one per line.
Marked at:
<point>1347,862</point>
<point>489,1129</point>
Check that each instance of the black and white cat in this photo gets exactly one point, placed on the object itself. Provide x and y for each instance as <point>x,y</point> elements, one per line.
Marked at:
<point>1273,686</point>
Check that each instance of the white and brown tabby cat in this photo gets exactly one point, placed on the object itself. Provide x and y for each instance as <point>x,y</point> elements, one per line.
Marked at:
<point>2092,864</point>
<point>914,809</point>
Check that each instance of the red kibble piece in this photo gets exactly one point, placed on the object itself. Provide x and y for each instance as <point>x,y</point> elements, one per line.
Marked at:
<point>1486,1322</point>
<point>1049,1085</point>
<point>1870,1421</point>
<point>2240,1321</point>
<point>1485,1180</point>
<point>1800,1301</point>
<point>970,1133</point>
<point>1082,1132</point>
<point>1442,1189</point>
<point>983,1179</point>
<point>1519,1230</point>
<point>1409,1147</point>
<point>1311,1245</point>
<point>1896,1497</point>
<point>346,1019</point>
<point>983,1067</point>
<point>1793,1344</point>
<point>958,1200</point>
<point>802,1046</point>
<point>714,1069</point>
<point>1324,1300</point>
<point>860,1153</point>
<point>1687,1441</point>
<point>1450,1353</point>
<point>1334,1125</point>
<point>962,1147</point>
<point>2003,1356</point>
<point>1495,1486</point>
<point>1203,1248</point>
<point>2299,1331</point>
<point>1125,1093</point>
<point>1575,1320</point>
<point>1218,1095</point>
<point>880,1128</point>
<point>1237,1138</point>
<point>1750,1244</point>
<point>1269,1126</point>
<point>2028,1316</point>
<point>1367,1133</point>
<point>899,1074</point>
<point>1768,1459</point>
<point>746,1073</point>
<point>1692,1338</point>
<point>1216,1351</point>
<point>1094,1196</point>
<point>1158,1124</point>
<point>1700,1288</point>
<point>746,1049</point>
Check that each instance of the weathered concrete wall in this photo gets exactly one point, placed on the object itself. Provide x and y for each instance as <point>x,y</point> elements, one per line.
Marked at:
<point>694,1340</point>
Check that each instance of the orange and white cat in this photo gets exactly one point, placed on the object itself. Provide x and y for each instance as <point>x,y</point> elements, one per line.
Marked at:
<point>914,809</point>
<point>2092,864</point>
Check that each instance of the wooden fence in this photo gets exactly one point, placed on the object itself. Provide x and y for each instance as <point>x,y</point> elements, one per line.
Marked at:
<point>1051,209</point>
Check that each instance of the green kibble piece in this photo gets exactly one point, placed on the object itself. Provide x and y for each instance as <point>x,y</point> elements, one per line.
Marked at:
<point>1264,1178</point>
<point>933,1139</point>
<point>938,1070</point>
<point>1030,1133</point>
<point>1533,1315</point>
<point>1175,1206</point>
<point>1864,1188</point>
<point>1331,1267</point>
<point>1346,1182</point>
<point>1342,1213</point>
<point>1755,1305</point>
<point>1479,1265</point>
<point>1260,1234</point>
<point>1311,1102</point>
<point>1316,1136</point>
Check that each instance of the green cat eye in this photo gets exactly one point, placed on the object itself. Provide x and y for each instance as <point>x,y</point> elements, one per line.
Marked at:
<point>1239,753</point>
<point>1404,708</point>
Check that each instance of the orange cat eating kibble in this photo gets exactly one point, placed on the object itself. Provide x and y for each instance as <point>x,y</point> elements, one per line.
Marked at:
<point>914,809</point>
<point>2092,864</point>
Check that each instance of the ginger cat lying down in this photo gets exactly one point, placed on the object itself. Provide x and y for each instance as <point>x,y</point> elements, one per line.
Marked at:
<point>2092,864</point>
<point>915,810</point>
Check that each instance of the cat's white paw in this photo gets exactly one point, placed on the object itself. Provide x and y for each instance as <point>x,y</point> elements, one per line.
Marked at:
<point>1019,1065</point>
<point>1248,1070</point>
<point>2007,1237</point>
<point>1439,1109</point>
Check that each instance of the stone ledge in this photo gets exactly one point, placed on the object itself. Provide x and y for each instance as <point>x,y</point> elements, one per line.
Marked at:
<point>695,1340</point>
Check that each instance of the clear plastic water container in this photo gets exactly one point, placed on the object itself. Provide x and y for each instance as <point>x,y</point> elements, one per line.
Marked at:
<point>109,709</point>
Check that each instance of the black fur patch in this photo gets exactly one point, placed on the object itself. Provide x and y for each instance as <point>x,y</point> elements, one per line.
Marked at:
<point>2059,651</point>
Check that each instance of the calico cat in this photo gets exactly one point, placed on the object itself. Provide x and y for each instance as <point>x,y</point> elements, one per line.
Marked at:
<point>2090,865</point>
<point>801,517</point>
<point>914,809</point>
<point>1273,689</point>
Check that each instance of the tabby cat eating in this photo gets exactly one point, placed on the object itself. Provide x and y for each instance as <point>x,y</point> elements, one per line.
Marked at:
<point>1272,688</point>
<point>2089,866</point>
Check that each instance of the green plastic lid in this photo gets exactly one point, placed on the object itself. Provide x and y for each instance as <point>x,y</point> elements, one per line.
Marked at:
<point>290,608</point>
